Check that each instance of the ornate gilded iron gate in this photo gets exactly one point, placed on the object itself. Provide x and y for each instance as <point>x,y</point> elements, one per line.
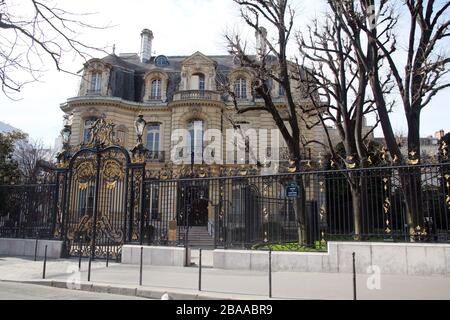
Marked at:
<point>102,198</point>
<point>95,220</point>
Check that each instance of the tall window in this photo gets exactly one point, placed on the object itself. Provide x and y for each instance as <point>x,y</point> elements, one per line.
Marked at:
<point>156,90</point>
<point>201,82</point>
<point>240,88</point>
<point>88,123</point>
<point>96,82</point>
<point>195,129</point>
<point>198,82</point>
<point>153,132</point>
<point>281,91</point>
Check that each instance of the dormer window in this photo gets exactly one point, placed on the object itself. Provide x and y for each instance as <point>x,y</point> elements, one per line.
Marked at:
<point>240,88</point>
<point>161,61</point>
<point>96,82</point>
<point>156,90</point>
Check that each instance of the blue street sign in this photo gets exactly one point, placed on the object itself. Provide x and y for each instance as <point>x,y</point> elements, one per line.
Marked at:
<point>292,190</point>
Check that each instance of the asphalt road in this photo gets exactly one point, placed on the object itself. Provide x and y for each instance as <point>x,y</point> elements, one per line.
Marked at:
<point>19,291</point>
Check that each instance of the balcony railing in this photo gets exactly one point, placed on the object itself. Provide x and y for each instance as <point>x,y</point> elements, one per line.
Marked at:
<point>196,95</point>
<point>155,156</point>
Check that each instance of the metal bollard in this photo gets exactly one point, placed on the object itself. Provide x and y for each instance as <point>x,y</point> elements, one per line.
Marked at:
<point>89,267</point>
<point>200,271</point>
<point>80,254</point>
<point>107,255</point>
<point>36,246</point>
<point>270,273</point>
<point>45,263</point>
<point>140,267</point>
<point>354,276</point>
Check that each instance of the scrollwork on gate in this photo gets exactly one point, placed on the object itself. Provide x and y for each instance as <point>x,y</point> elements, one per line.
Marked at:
<point>84,173</point>
<point>112,173</point>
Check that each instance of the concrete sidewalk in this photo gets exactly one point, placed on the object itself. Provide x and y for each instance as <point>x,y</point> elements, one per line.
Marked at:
<point>182,283</point>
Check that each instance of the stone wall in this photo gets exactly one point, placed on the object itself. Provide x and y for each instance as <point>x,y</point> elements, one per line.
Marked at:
<point>26,248</point>
<point>155,256</point>
<point>391,258</point>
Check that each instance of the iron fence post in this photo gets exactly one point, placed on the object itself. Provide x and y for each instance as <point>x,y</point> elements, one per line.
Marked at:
<point>66,190</point>
<point>95,211</point>
<point>141,227</point>
<point>55,207</point>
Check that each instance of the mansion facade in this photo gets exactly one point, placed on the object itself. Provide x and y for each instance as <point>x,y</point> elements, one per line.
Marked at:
<point>173,93</point>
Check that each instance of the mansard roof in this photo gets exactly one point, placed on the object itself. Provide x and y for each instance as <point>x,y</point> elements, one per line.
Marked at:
<point>132,61</point>
<point>128,72</point>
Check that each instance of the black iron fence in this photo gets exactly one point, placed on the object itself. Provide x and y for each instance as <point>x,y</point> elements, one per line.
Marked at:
<point>27,211</point>
<point>409,203</point>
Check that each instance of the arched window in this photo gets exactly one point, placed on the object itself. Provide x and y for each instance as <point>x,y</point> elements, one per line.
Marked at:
<point>240,88</point>
<point>96,82</point>
<point>88,124</point>
<point>195,128</point>
<point>156,90</point>
<point>161,61</point>
<point>153,133</point>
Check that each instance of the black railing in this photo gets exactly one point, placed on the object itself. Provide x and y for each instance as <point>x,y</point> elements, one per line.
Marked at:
<point>27,211</point>
<point>405,203</point>
<point>379,204</point>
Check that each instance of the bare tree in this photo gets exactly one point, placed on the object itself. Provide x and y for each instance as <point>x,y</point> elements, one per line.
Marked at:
<point>419,76</point>
<point>273,66</point>
<point>340,82</point>
<point>33,31</point>
<point>422,71</point>
<point>33,159</point>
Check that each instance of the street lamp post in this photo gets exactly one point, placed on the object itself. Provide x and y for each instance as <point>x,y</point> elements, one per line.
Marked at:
<point>139,151</point>
<point>66,132</point>
<point>139,154</point>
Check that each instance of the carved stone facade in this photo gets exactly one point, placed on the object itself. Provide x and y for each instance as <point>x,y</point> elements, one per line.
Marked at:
<point>172,93</point>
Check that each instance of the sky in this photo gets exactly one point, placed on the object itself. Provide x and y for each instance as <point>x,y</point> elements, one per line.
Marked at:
<point>180,27</point>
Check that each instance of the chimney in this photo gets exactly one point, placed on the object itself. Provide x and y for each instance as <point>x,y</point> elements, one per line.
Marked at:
<point>146,45</point>
<point>261,42</point>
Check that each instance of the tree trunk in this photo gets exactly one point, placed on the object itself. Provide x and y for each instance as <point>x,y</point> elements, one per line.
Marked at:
<point>410,179</point>
<point>303,226</point>
<point>355,191</point>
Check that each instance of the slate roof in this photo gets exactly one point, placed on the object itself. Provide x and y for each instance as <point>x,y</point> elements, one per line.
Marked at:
<point>127,78</point>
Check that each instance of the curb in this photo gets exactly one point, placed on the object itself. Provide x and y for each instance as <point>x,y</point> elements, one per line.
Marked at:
<point>148,293</point>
